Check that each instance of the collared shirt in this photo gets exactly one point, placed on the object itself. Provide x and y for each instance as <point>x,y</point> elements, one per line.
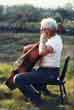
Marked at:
<point>52,59</point>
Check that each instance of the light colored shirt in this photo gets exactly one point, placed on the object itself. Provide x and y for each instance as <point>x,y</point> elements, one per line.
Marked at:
<point>52,59</point>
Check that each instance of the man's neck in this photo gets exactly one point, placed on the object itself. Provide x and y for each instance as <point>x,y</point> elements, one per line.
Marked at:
<point>51,36</point>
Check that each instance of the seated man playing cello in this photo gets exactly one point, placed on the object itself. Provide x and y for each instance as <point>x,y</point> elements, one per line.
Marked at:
<point>50,49</point>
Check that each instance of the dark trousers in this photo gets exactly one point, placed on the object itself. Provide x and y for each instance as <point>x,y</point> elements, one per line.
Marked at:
<point>37,78</point>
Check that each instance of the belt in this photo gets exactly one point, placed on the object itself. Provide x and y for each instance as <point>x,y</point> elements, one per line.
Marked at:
<point>54,68</point>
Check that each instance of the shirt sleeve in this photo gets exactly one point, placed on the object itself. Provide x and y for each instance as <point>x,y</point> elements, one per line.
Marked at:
<point>56,44</point>
<point>51,43</point>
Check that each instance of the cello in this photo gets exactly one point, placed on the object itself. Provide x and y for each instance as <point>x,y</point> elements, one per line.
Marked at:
<point>27,61</point>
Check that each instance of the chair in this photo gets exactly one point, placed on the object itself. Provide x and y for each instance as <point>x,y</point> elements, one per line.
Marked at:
<point>60,81</point>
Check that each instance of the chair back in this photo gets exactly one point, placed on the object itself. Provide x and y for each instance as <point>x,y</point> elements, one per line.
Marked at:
<point>65,68</point>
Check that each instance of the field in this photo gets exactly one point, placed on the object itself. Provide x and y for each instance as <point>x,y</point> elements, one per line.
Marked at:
<point>11,46</point>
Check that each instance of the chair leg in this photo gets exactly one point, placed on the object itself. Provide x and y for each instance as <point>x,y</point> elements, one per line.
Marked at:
<point>61,93</point>
<point>65,97</point>
<point>64,90</point>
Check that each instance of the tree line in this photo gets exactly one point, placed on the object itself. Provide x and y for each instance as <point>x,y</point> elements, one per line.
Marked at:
<point>28,17</point>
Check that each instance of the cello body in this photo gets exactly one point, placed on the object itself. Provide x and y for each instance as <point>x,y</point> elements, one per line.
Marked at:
<point>29,60</point>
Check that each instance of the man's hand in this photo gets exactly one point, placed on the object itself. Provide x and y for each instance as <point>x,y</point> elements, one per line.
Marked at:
<point>43,40</point>
<point>43,50</point>
<point>43,37</point>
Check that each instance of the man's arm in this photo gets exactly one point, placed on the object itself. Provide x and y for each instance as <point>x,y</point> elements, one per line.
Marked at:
<point>43,49</point>
<point>46,51</point>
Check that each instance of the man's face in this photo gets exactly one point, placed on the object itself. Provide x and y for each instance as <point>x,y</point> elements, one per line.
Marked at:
<point>48,32</point>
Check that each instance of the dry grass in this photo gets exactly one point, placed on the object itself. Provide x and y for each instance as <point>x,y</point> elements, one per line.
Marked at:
<point>14,100</point>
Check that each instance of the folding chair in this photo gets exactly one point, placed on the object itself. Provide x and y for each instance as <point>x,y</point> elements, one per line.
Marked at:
<point>60,81</point>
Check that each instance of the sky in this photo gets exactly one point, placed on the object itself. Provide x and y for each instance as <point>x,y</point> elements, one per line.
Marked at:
<point>38,3</point>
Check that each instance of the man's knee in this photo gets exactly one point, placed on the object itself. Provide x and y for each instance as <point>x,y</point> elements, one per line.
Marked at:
<point>16,79</point>
<point>21,80</point>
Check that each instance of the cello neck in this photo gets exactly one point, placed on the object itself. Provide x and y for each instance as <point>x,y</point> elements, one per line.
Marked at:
<point>25,54</point>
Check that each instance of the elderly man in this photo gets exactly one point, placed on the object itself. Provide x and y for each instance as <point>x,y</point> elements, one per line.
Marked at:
<point>50,48</point>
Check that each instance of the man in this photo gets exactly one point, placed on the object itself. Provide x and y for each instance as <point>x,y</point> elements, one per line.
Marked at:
<point>50,48</point>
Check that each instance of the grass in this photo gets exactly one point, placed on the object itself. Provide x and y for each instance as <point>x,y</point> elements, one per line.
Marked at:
<point>14,100</point>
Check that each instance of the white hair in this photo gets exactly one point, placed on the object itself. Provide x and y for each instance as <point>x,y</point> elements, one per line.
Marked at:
<point>49,23</point>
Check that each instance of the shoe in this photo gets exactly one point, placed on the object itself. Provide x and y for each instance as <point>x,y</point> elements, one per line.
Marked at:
<point>37,101</point>
<point>41,104</point>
